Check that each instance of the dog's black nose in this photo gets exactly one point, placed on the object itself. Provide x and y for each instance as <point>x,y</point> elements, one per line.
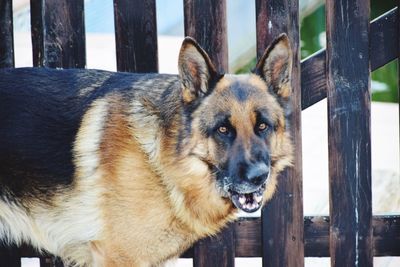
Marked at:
<point>258,174</point>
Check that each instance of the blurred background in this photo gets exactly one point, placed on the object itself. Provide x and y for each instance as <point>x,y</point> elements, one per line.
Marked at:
<point>100,43</point>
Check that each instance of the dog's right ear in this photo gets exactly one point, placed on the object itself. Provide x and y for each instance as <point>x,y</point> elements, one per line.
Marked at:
<point>196,71</point>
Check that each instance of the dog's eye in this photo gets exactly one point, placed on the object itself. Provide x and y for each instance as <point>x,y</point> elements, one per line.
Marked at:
<point>262,127</point>
<point>223,130</point>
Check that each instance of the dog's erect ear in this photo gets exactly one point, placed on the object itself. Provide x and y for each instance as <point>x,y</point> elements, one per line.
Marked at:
<point>196,70</point>
<point>275,66</point>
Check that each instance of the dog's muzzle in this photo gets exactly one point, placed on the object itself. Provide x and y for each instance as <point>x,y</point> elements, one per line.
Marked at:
<point>248,202</point>
<point>246,192</point>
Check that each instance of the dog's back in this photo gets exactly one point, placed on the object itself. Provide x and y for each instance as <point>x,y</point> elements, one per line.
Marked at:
<point>39,123</point>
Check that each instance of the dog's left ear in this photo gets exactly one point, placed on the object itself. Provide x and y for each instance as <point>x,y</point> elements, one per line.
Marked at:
<point>275,66</point>
<point>196,70</point>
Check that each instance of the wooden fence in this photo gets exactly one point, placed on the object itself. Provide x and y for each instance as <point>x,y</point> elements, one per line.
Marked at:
<point>351,235</point>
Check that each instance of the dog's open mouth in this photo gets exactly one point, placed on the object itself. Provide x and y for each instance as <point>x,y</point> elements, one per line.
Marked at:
<point>248,202</point>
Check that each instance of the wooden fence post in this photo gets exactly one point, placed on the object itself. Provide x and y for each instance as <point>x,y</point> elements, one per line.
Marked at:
<point>136,35</point>
<point>282,218</point>
<point>6,33</point>
<point>382,48</point>
<point>9,256</point>
<point>348,74</point>
<point>205,21</point>
<point>58,33</point>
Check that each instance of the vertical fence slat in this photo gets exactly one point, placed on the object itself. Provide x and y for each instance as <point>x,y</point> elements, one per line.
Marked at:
<point>136,35</point>
<point>6,33</point>
<point>9,256</point>
<point>58,33</point>
<point>205,21</point>
<point>282,218</point>
<point>348,74</point>
<point>218,251</point>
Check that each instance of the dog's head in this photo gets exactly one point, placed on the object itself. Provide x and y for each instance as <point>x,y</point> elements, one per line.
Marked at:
<point>239,121</point>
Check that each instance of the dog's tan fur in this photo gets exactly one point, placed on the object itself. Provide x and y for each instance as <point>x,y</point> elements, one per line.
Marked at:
<point>145,188</point>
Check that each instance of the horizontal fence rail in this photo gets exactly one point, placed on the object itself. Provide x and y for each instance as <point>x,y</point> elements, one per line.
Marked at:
<point>247,232</point>
<point>386,237</point>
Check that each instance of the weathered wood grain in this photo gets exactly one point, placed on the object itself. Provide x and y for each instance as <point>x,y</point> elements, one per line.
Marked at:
<point>58,33</point>
<point>384,39</point>
<point>218,251</point>
<point>248,238</point>
<point>349,139</point>
<point>205,21</point>
<point>282,218</point>
<point>384,36</point>
<point>6,33</point>
<point>136,35</point>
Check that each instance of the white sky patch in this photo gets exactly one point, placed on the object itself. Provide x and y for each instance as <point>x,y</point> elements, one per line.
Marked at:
<point>378,86</point>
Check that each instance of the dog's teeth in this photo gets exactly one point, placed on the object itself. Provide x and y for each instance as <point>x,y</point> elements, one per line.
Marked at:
<point>242,200</point>
<point>258,198</point>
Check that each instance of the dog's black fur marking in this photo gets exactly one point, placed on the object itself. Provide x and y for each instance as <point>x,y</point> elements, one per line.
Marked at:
<point>38,124</point>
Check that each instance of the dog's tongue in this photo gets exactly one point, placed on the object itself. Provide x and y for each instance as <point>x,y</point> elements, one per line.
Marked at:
<point>248,202</point>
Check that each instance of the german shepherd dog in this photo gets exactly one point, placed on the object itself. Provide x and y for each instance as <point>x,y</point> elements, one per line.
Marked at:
<point>122,169</point>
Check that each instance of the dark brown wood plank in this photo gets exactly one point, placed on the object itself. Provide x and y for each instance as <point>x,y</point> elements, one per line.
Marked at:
<point>9,256</point>
<point>6,33</point>
<point>383,39</point>
<point>205,21</point>
<point>316,236</point>
<point>348,75</point>
<point>313,83</point>
<point>51,262</point>
<point>248,237</point>
<point>282,218</point>
<point>58,33</point>
<point>386,235</point>
<point>218,251</point>
<point>46,262</point>
<point>136,35</point>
